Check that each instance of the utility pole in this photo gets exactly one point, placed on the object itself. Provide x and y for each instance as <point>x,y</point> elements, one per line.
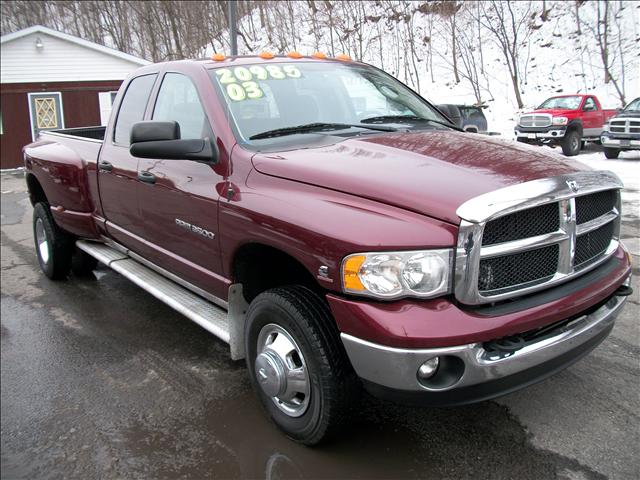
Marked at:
<point>233,27</point>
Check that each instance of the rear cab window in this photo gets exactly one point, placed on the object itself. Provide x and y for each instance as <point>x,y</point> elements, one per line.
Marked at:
<point>132,107</point>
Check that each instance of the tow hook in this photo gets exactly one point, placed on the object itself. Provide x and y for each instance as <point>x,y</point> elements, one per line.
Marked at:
<point>624,291</point>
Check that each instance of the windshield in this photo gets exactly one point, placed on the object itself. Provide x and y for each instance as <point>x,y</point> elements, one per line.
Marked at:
<point>562,103</point>
<point>634,106</point>
<point>269,96</point>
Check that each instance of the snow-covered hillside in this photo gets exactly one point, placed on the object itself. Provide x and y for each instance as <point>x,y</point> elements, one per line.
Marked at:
<point>412,40</point>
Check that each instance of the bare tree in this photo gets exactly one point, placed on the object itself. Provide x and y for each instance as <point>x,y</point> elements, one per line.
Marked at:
<point>510,28</point>
<point>607,33</point>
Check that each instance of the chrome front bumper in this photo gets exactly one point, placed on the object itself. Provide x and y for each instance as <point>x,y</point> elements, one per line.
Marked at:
<point>624,143</point>
<point>396,368</point>
<point>544,135</point>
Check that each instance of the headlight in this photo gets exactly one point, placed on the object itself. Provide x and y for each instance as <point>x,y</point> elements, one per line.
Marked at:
<point>423,274</point>
<point>560,120</point>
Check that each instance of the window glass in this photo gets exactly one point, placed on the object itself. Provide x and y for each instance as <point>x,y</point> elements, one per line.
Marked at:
<point>262,97</point>
<point>564,103</point>
<point>589,104</point>
<point>634,106</point>
<point>132,107</point>
<point>178,101</point>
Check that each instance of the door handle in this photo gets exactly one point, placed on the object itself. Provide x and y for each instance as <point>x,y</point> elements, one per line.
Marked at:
<point>146,177</point>
<point>105,166</point>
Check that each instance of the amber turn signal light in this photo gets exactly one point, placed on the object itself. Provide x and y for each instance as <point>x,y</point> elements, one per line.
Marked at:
<point>350,269</point>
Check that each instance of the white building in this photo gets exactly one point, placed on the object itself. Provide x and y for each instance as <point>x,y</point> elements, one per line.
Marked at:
<point>51,80</point>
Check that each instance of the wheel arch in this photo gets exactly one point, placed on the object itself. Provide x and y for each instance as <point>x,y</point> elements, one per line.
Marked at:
<point>260,267</point>
<point>575,125</point>
<point>36,192</point>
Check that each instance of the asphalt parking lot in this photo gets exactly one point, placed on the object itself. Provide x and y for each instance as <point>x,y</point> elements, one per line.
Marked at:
<point>101,380</point>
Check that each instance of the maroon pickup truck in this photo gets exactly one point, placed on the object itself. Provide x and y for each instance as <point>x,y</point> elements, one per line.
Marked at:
<point>334,228</point>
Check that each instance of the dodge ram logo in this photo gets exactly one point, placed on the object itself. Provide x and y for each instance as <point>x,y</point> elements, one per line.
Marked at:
<point>573,185</point>
<point>195,229</point>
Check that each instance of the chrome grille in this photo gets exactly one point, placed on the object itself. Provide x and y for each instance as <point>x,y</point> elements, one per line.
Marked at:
<point>537,120</point>
<point>591,245</point>
<point>520,225</point>
<point>527,237</point>
<point>510,272</point>
<point>618,126</point>
<point>624,125</point>
<point>595,205</point>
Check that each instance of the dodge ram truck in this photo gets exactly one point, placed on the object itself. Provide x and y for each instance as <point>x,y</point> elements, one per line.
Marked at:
<point>622,132</point>
<point>335,229</point>
<point>568,120</point>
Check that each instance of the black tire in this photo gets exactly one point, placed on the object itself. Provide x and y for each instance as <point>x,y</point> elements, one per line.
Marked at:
<point>522,140</point>
<point>334,386</point>
<point>571,143</point>
<point>54,247</point>
<point>82,264</point>
<point>611,153</point>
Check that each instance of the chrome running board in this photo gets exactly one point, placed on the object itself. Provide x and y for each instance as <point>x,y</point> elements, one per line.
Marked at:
<point>227,326</point>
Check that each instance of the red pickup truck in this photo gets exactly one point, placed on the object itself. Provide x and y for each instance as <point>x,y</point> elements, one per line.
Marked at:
<point>568,120</point>
<point>334,228</point>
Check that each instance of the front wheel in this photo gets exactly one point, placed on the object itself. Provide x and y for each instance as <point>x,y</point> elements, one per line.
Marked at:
<point>54,247</point>
<point>611,153</point>
<point>297,364</point>
<point>571,143</point>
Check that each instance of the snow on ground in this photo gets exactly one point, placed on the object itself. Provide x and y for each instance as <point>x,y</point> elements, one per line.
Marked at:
<point>627,167</point>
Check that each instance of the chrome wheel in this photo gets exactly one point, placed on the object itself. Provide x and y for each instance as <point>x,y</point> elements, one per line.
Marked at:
<point>575,143</point>
<point>42,242</point>
<point>281,370</point>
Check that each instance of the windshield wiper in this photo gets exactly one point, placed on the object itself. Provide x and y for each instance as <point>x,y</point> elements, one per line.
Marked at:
<point>405,119</point>
<point>316,127</point>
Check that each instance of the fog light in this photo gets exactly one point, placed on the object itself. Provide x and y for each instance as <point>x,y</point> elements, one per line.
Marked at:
<point>428,368</point>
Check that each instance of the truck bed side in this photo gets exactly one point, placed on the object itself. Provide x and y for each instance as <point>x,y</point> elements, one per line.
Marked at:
<point>61,170</point>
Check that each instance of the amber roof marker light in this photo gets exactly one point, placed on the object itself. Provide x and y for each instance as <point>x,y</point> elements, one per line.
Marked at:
<point>343,57</point>
<point>218,57</point>
<point>266,55</point>
<point>294,55</point>
<point>319,55</point>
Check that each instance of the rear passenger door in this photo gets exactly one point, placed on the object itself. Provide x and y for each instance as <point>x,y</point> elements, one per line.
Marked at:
<point>118,169</point>
<point>179,201</point>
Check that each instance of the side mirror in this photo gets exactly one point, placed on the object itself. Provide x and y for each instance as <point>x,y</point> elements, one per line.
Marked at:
<point>161,140</point>
<point>154,131</point>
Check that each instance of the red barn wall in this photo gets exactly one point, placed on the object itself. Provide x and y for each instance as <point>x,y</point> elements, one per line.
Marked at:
<point>79,103</point>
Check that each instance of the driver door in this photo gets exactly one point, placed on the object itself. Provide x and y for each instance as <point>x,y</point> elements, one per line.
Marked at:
<point>178,200</point>
<point>591,118</point>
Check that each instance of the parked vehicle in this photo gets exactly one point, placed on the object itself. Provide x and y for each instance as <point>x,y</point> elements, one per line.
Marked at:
<point>622,132</point>
<point>567,120</point>
<point>337,232</point>
<point>468,117</point>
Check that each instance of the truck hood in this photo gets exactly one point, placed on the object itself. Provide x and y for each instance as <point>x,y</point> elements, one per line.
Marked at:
<point>554,111</point>
<point>629,114</point>
<point>431,172</point>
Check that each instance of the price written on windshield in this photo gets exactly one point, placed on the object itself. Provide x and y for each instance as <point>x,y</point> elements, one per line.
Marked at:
<point>240,82</point>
